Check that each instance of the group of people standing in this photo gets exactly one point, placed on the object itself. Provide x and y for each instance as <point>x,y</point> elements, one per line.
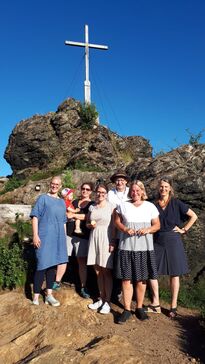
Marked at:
<point>121,235</point>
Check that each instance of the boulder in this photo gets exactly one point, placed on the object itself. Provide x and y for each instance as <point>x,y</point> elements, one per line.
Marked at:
<point>43,142</point>
<point>9,212</point>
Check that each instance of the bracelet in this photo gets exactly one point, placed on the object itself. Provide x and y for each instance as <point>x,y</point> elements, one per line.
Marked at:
<point>185,231</point>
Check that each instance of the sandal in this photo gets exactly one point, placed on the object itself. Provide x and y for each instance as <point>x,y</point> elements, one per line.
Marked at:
<point>152,309</point>
<point>173,313</point>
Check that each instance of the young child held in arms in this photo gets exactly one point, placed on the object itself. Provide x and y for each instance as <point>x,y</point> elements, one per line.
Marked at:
<point>67,194</point>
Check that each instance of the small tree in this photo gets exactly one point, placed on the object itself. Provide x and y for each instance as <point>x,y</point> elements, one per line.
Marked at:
<point>88,115</point>
<point>194,139</point>
<point>67,179</point>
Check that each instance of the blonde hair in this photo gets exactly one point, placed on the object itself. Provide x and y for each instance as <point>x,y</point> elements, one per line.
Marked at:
<point>141,186</point>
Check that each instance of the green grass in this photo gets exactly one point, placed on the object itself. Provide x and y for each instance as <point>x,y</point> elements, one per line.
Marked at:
<point>191,295</point>
<point>46,174</point>
<point>11,185</point>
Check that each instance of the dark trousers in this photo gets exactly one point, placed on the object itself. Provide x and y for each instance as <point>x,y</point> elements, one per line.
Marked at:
<point>49,273</point>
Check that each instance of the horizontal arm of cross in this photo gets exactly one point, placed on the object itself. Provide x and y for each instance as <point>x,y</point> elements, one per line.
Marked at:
<point>78,44</point>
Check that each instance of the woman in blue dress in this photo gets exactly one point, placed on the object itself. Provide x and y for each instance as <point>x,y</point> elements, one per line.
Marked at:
<point>49,239</point>
<point>170,255</point>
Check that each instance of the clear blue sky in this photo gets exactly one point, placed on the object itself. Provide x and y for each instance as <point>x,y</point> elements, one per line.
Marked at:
<point>151,81</point>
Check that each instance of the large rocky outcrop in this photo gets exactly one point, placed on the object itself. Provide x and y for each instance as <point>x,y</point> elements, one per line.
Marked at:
<point>58,140</point>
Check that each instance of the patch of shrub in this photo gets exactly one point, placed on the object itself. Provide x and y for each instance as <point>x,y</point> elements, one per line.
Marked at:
<point>23,229</point>
<point>88,115</point>
<point>194,139</point>
<point>67,179</point>
<point>12,265</point>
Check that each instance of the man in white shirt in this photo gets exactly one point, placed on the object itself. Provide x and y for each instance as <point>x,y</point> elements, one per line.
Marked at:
<point>116,196</point>
<point>119,193</point>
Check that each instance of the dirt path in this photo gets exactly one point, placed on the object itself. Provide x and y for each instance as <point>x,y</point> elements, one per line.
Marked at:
<point>72,333</point>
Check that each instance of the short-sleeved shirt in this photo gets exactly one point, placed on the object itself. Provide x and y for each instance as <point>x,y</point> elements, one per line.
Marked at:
<point>116,197</point>
<point>137,218</point>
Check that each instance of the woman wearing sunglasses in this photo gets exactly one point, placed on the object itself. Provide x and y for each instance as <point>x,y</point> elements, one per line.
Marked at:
<point>100,252</point>
<point>79,241</point>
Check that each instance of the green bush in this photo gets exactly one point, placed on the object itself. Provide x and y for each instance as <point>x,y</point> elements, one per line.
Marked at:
<point>194,139</point>
<point>12,265</point>
<point>23,228</point>
<point>88,115</point>
<point>67,179</point>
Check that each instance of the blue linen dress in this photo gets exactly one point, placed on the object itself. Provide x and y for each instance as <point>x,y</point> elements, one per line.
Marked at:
<point>51,214</point>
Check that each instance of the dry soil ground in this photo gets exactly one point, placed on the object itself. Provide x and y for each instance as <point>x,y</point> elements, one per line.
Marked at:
<point>72,333</point>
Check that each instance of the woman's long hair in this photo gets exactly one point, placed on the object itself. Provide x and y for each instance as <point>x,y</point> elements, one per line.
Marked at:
<point>169,180</point>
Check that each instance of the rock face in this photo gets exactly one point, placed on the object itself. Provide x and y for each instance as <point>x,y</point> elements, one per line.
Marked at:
<point>9,212</point>
<point>58,139</point>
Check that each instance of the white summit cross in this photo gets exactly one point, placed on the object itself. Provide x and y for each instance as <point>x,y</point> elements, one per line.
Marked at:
<point>87,45</point>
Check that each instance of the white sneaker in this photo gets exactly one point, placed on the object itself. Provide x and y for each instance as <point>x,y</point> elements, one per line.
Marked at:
<point>50,300</point>
<point>35,302</point>
<point>96,305</point>
<point>105,308</point>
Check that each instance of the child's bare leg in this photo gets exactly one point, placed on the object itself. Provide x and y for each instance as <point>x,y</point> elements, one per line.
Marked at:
<point>77,226</point>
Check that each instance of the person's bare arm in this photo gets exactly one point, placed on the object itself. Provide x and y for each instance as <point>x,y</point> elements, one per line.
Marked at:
<point>120,226</point>
<point>72,215</point>
<point>36,239</point>
<point>192,218</point>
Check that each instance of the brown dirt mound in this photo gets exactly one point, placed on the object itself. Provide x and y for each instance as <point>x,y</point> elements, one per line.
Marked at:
<point>72,333</point>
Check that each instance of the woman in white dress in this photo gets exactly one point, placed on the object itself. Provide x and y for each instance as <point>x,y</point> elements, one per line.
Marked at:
<point>137,219</point>
<point>100,251</point>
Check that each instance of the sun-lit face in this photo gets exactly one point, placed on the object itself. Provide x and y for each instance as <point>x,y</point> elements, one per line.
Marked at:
<point>164,189</point>
<point>120,184</point>
<point>101,194</point>
<point>136,193</point>
<point>86,191</point>
<point>55,185</point>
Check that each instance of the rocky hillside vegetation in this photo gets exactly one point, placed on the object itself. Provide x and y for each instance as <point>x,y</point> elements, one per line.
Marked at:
<point>61,141</point>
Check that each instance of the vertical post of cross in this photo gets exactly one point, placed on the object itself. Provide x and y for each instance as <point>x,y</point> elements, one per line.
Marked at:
<point>86,45</point>
<point>87,92</point>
